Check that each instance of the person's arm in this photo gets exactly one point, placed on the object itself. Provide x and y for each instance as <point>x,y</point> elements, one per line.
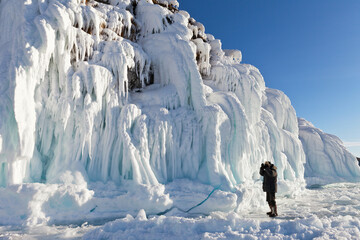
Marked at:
<point>262,171</point>
<point>270,172</point>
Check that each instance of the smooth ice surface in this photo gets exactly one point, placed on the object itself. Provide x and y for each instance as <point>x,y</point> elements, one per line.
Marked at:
<point>110,107</point>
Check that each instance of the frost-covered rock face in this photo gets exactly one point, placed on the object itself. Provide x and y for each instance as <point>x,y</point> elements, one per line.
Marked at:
<point>135,91</point>
<point>327,160</point>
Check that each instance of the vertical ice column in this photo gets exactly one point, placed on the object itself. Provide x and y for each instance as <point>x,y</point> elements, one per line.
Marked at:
<point>17,112</point>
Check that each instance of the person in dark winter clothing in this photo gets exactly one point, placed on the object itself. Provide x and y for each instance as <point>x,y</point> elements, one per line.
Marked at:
<point>268,171</point>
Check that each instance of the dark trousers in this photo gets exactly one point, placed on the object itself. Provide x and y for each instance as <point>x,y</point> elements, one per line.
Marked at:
<point>270,198</point>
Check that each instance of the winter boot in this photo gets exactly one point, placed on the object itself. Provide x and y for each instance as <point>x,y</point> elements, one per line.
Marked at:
<point>273,212</point>
<point>268,213</point>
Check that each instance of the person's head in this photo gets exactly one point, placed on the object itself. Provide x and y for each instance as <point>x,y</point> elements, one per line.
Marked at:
<point>267,163</point>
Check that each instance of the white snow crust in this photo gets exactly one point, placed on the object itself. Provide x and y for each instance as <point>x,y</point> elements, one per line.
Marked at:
<point>330,212</point>
<point>109,107</point>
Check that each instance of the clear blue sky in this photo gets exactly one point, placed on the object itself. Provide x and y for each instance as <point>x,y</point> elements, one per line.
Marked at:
<point>309,49</point>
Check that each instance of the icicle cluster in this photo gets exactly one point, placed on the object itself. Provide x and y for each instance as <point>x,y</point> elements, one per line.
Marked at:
<point>134,90</point>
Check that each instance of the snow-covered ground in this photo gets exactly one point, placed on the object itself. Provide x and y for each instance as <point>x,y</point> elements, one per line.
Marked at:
<point>325,212</point>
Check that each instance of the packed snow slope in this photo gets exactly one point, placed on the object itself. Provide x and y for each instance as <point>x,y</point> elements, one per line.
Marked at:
<point>105,101</point>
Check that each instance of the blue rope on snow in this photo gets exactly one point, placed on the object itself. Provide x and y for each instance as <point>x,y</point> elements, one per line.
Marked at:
<point>166,211</point>
<point>204,199</point>
<point>173,207</point>
<point>93,209</point>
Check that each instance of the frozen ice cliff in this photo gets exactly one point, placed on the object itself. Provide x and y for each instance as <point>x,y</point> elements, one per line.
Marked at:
<point>327,159</point>
<point>114,104</point>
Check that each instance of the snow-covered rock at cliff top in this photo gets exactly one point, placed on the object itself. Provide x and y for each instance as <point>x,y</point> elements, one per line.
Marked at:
<point>109,107</point>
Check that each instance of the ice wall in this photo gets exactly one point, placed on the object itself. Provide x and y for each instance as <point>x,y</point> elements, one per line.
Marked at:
<point>327,160</point>
<point>72,103</point>
<point>135,91</point>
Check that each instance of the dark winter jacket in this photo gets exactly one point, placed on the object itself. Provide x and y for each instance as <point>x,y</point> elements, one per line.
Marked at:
<point>270,178</point>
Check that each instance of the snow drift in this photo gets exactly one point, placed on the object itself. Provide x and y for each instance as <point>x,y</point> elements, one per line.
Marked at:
<point>135,93</point>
